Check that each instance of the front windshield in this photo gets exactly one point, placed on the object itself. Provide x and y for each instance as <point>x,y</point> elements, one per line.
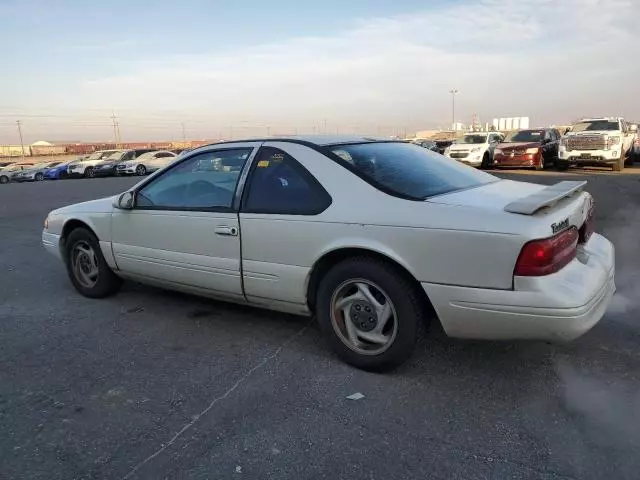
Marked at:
<point>594,125</point>
<point>115,156</point>
<point>409,170</point>
<point>526,136</point>
<point>473,139</point>
<point>95,156</point>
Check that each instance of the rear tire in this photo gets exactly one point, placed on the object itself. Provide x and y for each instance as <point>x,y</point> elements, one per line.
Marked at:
<point>390,291</point>
<point>4,179</point>
<point>86,266</point>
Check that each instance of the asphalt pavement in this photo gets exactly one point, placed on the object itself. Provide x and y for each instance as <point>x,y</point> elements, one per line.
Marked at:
<point>151,384</point>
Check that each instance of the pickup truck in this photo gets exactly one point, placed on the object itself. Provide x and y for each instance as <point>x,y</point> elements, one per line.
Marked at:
<point>597,142</point>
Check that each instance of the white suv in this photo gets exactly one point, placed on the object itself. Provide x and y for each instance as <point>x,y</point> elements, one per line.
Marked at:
<point>84,168</point>
<point>597,142</point>
<point>475,149</point>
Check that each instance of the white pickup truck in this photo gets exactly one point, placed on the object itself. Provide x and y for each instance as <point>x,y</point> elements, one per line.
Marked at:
<point>597,142</point>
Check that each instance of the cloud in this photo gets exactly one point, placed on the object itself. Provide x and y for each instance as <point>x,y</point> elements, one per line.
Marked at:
<point>551,60</point>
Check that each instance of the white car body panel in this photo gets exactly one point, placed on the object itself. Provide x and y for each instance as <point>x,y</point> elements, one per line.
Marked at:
<point>461,247</point>
<point>79,168</point>
<point>473,152</point>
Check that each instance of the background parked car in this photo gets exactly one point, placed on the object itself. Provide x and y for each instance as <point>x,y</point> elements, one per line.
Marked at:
<point>475,149</point>
<point>535,148</point>
<point>428,144</point>
<point>442,145</point>
<point>146,163</point>
<point>85,167</point>
<point>35,173</point>
<point>10,171</point>
<point>5,164</point>
<point>58,171</point>
<point>108,167</point>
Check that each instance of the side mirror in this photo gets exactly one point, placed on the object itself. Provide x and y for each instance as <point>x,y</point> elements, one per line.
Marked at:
<point>125,201</point>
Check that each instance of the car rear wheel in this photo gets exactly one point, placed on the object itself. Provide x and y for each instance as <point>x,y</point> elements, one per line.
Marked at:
<point>89,172</point>
<point>371,314</point>
<point>86,266</point>
<point>141,170</point>
<point>4,179</point>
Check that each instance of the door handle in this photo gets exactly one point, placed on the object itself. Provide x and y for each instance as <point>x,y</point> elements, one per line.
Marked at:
<point>226,230</point>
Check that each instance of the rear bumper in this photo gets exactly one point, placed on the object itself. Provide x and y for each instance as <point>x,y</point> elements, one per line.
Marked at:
<point>561,306</point>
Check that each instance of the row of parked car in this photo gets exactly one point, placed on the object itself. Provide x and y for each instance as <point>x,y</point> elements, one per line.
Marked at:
<point>606,141</point>
<point>102,163</point>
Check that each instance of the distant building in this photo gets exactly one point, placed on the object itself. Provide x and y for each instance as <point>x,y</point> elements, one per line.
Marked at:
<point>510,123</point>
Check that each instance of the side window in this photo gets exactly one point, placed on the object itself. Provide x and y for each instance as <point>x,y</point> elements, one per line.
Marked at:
<point>163,155</point>
<point>202,182</point>
<point>280,185</point>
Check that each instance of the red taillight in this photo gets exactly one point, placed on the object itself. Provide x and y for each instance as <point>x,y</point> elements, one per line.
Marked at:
<point>548,255</point>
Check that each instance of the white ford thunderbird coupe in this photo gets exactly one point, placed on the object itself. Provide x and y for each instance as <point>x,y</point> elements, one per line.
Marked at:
<point>374,238</point>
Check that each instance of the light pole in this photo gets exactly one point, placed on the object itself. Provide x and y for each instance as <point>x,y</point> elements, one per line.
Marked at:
<point>453,92</point>
<point>21,140</point>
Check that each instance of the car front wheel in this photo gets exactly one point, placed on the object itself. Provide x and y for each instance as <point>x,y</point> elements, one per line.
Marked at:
<point>141,170</point>
<point>86,266</point>
<point>89,173</point>
<point>370,313</point>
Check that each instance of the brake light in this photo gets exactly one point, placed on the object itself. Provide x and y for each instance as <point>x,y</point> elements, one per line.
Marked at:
<point>548,255</point>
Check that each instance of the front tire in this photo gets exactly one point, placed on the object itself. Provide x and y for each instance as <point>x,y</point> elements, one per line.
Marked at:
<point>370,313</point>
<point>89,172</point>
<point>86,266</point>
<point>39,177</point>
<point>141,170</point>
<point>619,165</point>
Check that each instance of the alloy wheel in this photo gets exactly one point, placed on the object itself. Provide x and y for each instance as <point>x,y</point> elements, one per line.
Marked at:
<point>363,317</point>
<point>84,263</point>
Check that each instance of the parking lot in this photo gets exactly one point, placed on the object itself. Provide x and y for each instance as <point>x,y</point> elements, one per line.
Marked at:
<point>153,384</point>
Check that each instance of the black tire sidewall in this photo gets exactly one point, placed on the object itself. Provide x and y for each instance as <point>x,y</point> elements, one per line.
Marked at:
<point>409,311</point>
<point>108,283</point>
<point>39,177</point>
<point>89,173</point>
<point>4,179</point>
<point>141,170</point>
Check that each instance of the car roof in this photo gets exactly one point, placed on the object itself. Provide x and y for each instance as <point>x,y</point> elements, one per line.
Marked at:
<point>318,140</point>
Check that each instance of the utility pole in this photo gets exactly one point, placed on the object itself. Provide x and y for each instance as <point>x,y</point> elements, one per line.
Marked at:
<point>19,123</point>
<point>453,92</point>
<point>116,129</point>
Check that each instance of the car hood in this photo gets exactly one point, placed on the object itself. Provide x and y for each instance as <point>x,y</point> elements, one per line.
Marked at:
<point>519,145</point>
<point>592,132</point>
<point>493,196</point>
<point>466,146</point>
<point>101,205</point>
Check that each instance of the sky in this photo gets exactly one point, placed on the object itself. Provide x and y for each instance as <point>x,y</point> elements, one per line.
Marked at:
<point>211,69</point>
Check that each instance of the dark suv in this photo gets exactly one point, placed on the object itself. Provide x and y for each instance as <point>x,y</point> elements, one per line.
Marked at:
<point>108,167</point>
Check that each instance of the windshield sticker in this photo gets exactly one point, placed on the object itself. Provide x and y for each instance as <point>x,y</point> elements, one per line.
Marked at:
<point>263,163</point>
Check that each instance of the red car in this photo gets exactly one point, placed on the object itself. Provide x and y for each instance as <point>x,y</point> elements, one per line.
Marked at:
<point>534,148</point>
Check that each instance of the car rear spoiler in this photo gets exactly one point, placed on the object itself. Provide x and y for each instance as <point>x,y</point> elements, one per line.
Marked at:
<point>546,197</point>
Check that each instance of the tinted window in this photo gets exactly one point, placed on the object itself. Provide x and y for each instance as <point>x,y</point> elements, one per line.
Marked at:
<point>593,125</point>
<point>407,170</point>
<point>164,155</point>
<point>526,136</point>
<point>204,181</point>
<point>280,185</point>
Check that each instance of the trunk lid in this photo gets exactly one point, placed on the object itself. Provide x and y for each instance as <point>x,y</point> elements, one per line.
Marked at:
<point>555,207</point>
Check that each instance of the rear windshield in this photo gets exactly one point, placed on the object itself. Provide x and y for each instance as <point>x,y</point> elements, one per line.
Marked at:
<point>409,171</point>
